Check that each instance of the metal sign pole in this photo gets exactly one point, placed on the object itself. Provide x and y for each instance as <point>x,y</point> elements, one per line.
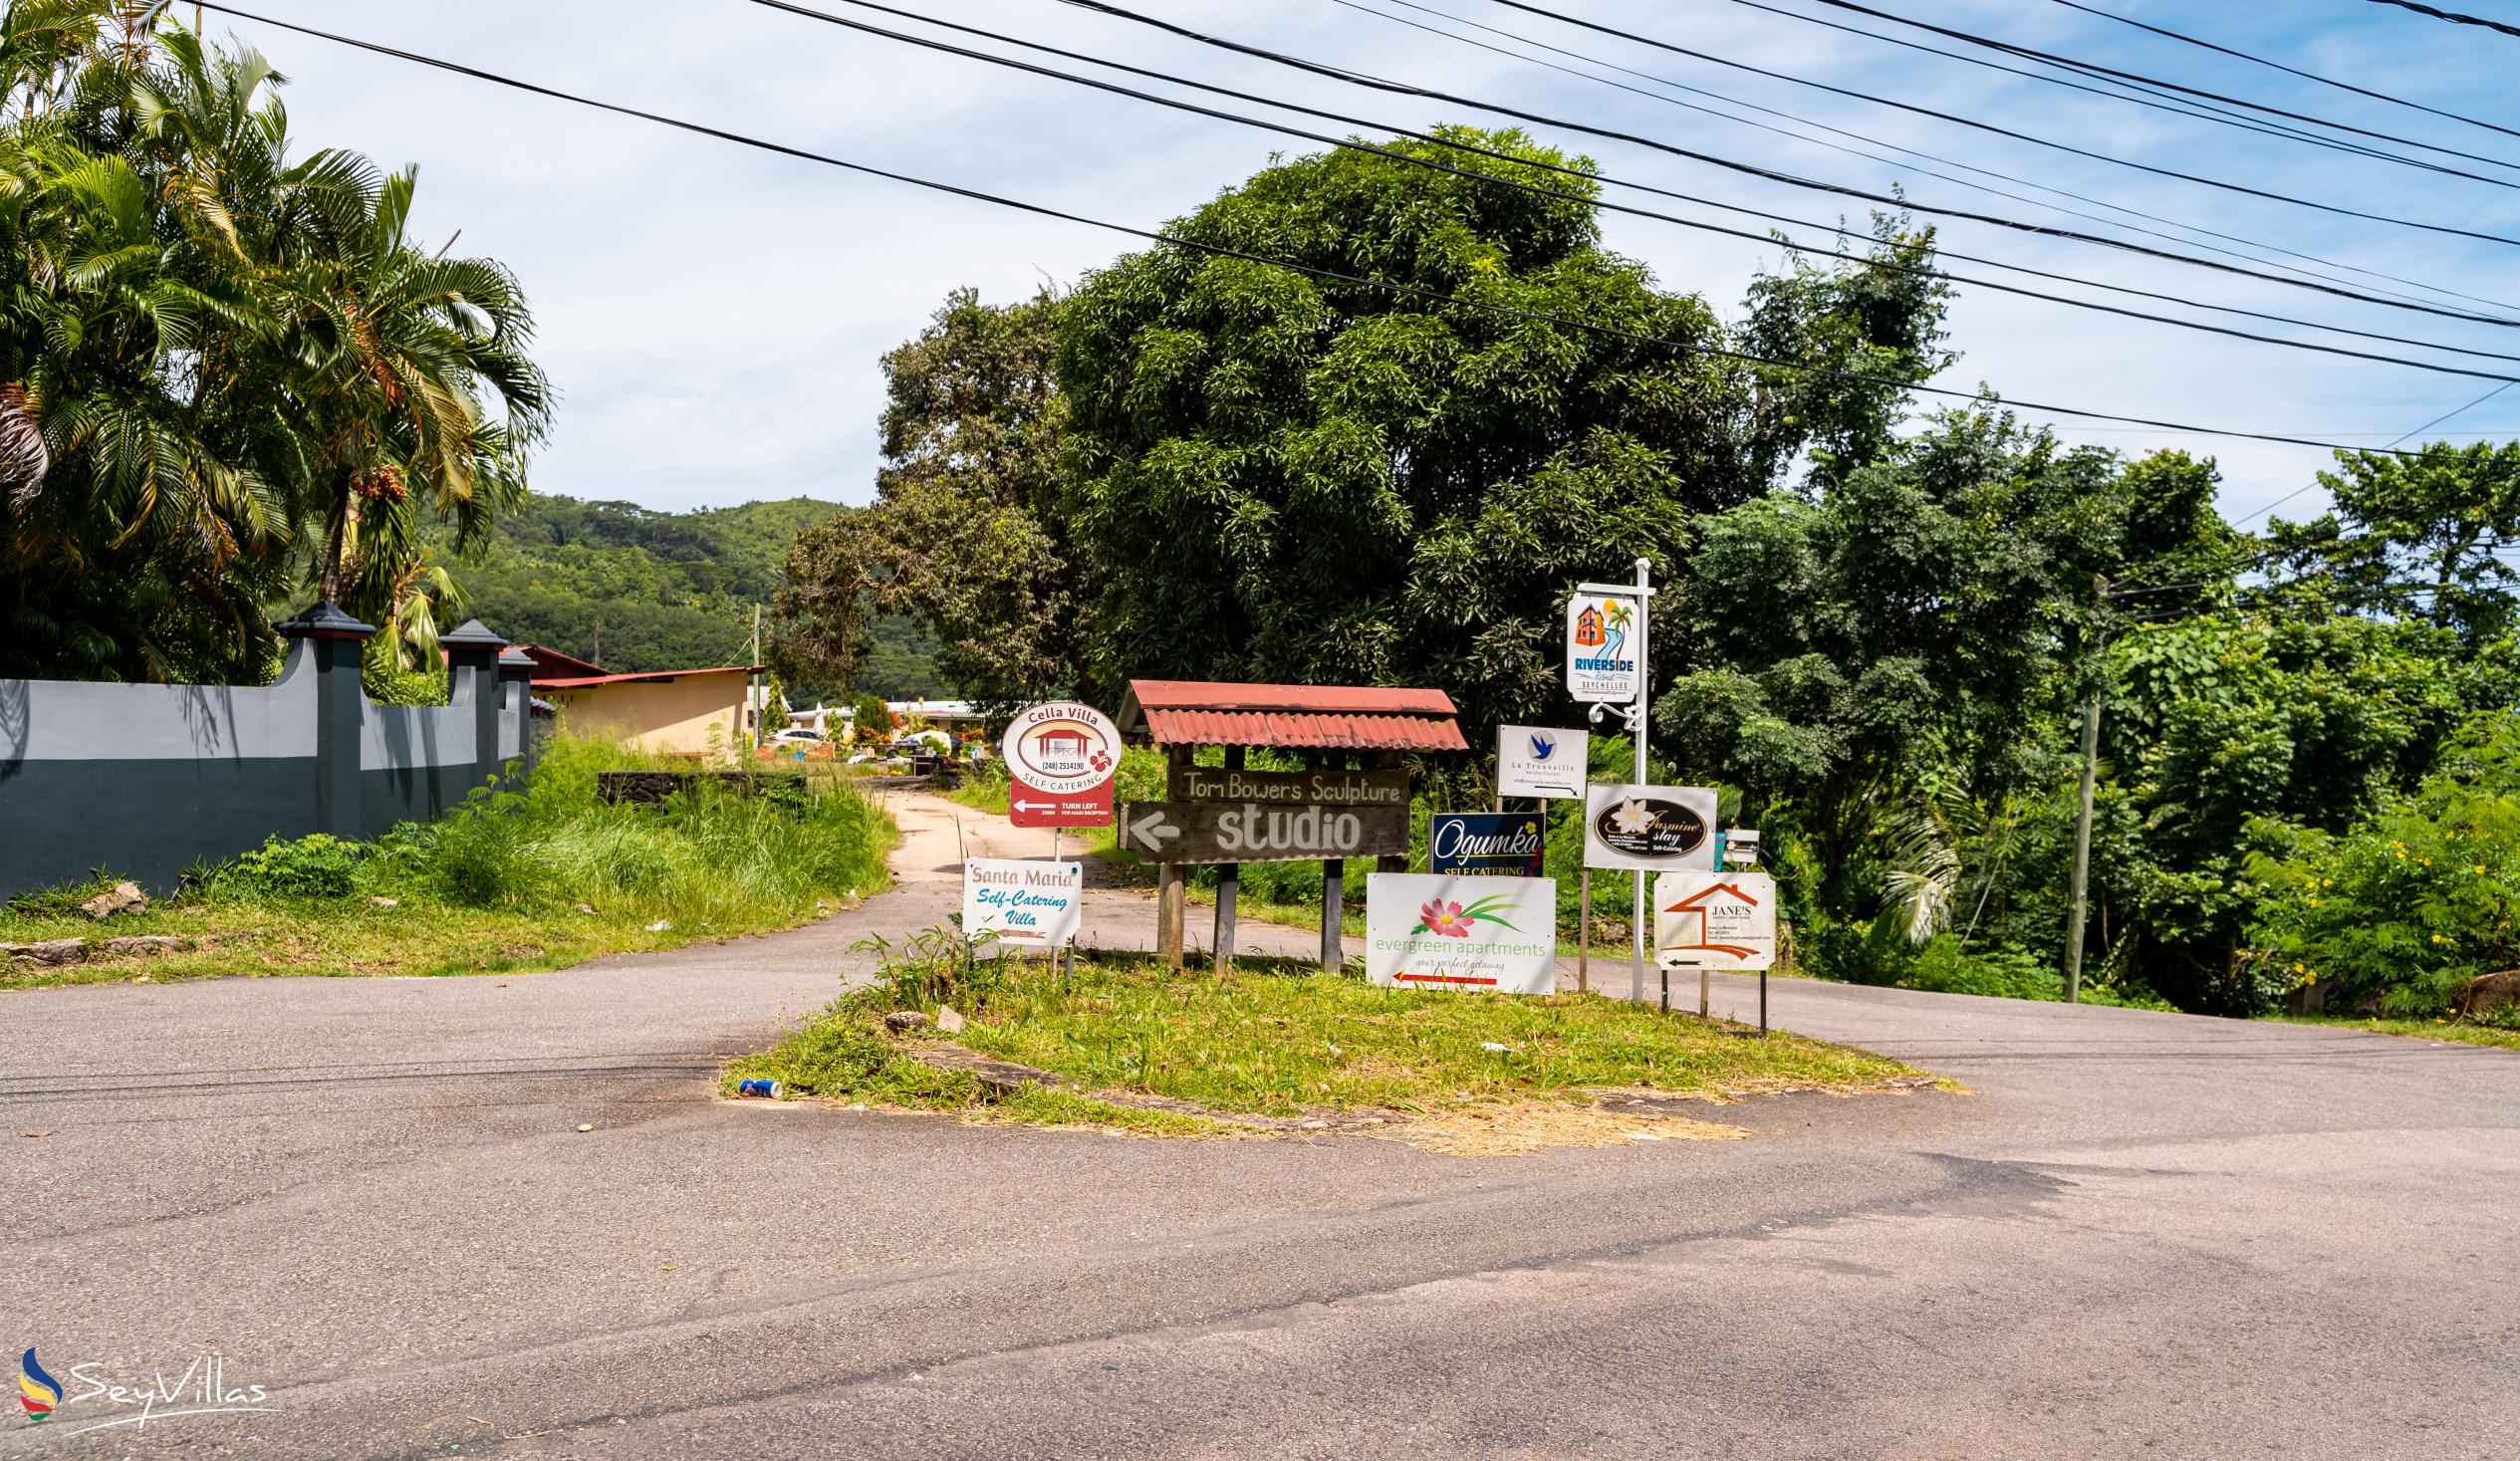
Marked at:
<point>1637,730</point>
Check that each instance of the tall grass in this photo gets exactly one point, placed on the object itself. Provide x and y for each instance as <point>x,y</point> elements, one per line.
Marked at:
<point>708,858</point>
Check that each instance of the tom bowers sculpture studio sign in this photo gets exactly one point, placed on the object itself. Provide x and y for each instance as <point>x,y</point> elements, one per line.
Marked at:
<point>1232,816</point>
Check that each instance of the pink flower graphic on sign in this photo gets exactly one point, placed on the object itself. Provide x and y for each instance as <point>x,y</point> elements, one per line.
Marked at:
<point>1451,920</point>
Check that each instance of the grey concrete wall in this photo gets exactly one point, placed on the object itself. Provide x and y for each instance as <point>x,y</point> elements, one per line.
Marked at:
<point>416,762</point>
<point>145,781</point>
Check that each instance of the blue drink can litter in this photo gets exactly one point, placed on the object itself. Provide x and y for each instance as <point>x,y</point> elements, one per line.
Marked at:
<point>760,1090</point>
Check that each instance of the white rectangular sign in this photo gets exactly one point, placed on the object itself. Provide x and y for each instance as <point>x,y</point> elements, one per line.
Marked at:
<point>1716,921</point>
<point>1648,829</point>
<point>1474,934</point>
<point>1534,761</point>
<point>1602,631</point>
<point>1026,904</point>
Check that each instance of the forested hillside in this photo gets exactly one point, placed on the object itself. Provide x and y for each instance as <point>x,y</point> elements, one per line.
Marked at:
<point>635,589</point>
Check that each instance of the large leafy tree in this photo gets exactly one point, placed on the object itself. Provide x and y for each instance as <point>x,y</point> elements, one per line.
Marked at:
<point>226,377</point>
<point>2427,535</point>
<point>1394,480</point>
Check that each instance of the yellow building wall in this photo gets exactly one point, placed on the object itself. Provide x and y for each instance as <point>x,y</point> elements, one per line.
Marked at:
<point>670,716</point>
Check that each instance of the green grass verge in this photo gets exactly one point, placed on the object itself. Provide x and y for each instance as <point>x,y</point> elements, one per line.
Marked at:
<point>1281,1039</point>
<point>2501,1037</point>
<point>499,886</point>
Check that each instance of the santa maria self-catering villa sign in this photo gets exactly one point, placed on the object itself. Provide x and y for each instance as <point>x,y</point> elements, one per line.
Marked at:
<point>1602,634</point>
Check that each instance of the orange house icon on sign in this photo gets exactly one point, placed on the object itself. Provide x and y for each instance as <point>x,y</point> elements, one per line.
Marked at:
<point>1588,629</point>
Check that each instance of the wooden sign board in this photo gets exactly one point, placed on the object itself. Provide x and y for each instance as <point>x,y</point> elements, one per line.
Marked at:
<point>1290,787</point>
<point>1261,832</point>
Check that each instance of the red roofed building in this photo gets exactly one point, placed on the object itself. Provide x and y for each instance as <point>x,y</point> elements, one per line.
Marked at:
<point>679,712</point>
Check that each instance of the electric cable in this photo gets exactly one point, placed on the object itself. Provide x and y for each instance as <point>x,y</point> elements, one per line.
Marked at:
<point>1664,81</point>
<point>1391,286</point>
<point>2324,81</point>
<point>1730,164</point>
<point>2339,209</point>
<point>807,12</point>
<point>1358,5</point>
<point>2094,68</point>
<point>2452,16</point>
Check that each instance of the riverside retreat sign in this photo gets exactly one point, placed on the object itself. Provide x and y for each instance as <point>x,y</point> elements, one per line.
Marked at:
<point>1025,905</point>
<point>1602,634</point>
<point>1716,921</point>
<point>1500,842</point>
<point>1534,761</point>
<point>1495,935</point>
<point>1061,758</point>
<point>1649,829</point>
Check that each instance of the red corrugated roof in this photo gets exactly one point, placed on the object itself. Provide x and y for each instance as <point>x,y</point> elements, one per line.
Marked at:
<point>1330,718</point>
<point>1349,699</point>
<point>580,682</point>
<point>553,662</point>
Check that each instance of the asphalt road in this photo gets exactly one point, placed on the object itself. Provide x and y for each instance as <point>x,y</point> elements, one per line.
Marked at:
<point>2142,1235</point>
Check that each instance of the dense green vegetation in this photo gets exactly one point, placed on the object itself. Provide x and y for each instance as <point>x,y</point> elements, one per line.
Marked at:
<point>1876,639</point>
<point>233,378</point>
<point>638,589</point>
<point>537,879</point>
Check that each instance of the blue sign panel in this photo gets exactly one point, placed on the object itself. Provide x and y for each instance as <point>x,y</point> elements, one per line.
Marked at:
<point>1506,842</point>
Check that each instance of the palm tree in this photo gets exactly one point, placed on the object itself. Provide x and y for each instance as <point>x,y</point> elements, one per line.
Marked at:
<point>405,352</point>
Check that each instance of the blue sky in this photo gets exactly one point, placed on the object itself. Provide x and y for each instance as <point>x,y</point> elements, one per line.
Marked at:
<point>714,316</point>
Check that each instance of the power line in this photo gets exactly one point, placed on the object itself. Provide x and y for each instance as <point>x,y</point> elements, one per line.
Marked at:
<point>2426,426</point>
<point>1857,152</point>
<point>1391,286</point>
<point>2033,54</point>
<point>1899,201</point>
<point>2005,131</point>
<point>1356,5</point>
<point>2280,65</point>
<point>2452,16</point>
<point>1029,67</point>
<point>2132,88</point>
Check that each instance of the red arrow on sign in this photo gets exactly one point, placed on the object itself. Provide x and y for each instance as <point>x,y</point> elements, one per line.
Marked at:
<point>1030,806</point>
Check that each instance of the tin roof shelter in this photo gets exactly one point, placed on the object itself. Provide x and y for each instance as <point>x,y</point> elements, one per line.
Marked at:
<point>1383,723</point>
<point>1291,717</point>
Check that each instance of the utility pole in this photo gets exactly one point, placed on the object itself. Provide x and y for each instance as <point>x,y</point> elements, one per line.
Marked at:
<point>2081,893</point>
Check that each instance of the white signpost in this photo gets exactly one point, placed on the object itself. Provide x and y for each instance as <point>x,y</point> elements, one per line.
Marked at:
<point>1023,905</point>
<point>1605,664</point>
<point>1534,761</point>
<point>1472,935</point>
<point>1705,920</point>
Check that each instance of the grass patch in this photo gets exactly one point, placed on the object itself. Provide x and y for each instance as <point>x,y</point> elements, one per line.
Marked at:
<point>500,885</point>
<point>1278,1040</point>
<point>2501,1037</point>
